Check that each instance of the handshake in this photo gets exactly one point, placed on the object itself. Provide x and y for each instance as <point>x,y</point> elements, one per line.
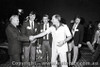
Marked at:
<point>32,39</point>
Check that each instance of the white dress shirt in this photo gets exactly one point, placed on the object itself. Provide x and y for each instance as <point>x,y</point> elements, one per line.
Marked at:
<point>31,24</point>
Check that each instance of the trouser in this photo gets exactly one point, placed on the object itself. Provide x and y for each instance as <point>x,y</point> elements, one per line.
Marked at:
<point>46,50</point>
<point>96,54</point>
<point>70,46</point>
<point>15,60</point>
<point>29,54</point>
<point>75,56</point>
<point>62,56</point>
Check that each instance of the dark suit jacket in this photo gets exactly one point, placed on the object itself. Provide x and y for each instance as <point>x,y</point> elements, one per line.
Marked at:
<point>50,35</point>
<point>14,37</point>
<point>78,36</point>
<point>27,32</point>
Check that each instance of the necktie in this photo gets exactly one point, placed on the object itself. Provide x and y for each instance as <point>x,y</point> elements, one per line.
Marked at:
<point>32,25</point>
<point>45,26</point>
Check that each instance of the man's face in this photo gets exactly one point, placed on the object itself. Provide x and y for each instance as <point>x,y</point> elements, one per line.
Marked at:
<point>32,17</point>
<point>45,19</point>
<point>77,20</point>
<point>54,20</point>
<point>15,21</point>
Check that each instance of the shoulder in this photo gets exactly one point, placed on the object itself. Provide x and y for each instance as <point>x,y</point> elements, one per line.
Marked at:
<point>65,25</point>
<point>9,28</point>
<point>52,26</point>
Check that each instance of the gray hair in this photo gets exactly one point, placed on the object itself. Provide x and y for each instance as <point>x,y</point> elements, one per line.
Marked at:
<point>12,17</point>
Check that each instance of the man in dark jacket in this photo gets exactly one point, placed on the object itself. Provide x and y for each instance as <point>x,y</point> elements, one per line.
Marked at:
<point>15,37</point>
<point>77,31</point>
<point>46,41</point>
<point>30,28</point>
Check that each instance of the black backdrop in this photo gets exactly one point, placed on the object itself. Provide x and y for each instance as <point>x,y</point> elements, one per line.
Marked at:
<point>89,9</point>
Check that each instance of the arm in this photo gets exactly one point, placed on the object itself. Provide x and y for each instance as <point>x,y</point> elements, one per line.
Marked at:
<point>40,35</point>
<point>67,39</point>
<point>11,33</point>
<point>63,42</point>
<point>68,34</point>
<point>23,38</point>
<point>43,33</point>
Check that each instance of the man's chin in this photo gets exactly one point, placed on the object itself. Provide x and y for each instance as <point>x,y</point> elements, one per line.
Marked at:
<point>17,25</point>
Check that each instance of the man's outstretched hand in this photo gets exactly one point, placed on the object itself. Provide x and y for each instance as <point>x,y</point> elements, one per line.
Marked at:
<point>31,38</point>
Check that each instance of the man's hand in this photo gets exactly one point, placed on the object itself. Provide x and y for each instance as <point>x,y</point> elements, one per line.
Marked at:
<point>79,45</point>
<point>60,43</point>
<point>31,38</point>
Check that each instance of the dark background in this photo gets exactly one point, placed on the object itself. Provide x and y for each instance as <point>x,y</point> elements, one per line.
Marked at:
<point>68,9</point>
<point>89,9</point>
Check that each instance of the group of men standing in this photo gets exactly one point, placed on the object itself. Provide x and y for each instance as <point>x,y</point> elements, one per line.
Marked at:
<point>55,35</point>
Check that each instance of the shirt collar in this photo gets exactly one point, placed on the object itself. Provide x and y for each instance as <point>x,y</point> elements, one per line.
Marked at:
<point>61,24</point>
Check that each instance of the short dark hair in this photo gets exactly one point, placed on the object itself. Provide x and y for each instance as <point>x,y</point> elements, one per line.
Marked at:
<point>82,20</point>
<point>32,13</point>
<point>45,15</point>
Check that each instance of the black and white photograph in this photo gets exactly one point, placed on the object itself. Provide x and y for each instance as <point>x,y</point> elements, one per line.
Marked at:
<point>49,33</point>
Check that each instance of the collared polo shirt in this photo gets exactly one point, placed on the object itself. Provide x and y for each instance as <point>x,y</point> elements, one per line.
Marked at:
<point>59,35</point>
